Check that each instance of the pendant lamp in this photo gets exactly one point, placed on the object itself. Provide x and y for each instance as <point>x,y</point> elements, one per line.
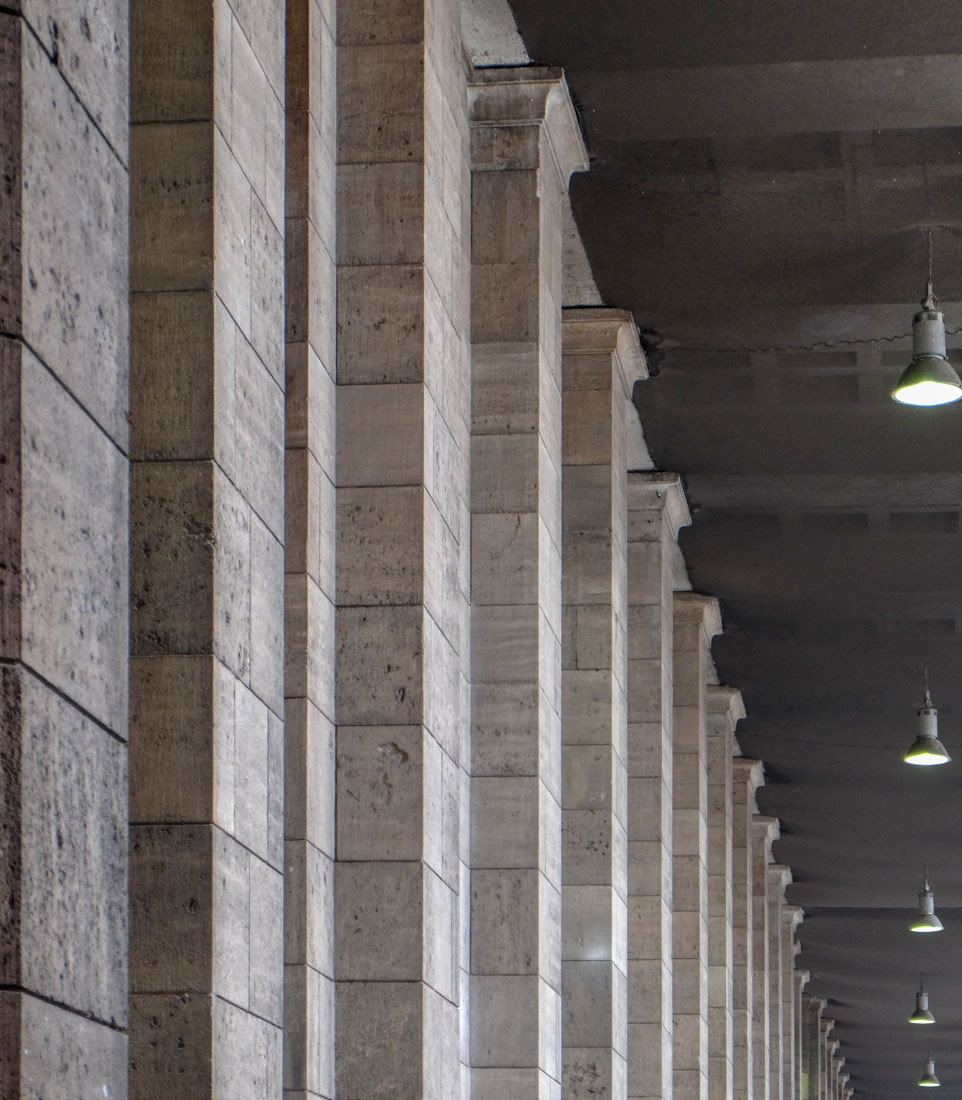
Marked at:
<point>927,749</point>
<point>928,1080</point>
<point>930,379</point>
<point>921,1015</point>
<point>926,920</point>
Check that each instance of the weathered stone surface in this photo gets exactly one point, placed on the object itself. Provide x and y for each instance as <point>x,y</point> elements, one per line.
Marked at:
<point>65,912</point>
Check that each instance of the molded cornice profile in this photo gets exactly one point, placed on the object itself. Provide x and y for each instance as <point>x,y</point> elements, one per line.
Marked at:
<point>649,490</point>
<point>781,875</point>
<point>693,607</point>
<point>526,96</point>
<point>749,771</point>
<point>726,701</point>
<point>793,914</point>
<point>598,329</point>
<point>768,829</point>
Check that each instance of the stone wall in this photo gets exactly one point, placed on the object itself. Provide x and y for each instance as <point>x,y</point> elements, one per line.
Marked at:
<point>430,793</point>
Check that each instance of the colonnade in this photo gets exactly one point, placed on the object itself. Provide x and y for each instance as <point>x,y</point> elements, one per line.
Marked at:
<point>431,791</point>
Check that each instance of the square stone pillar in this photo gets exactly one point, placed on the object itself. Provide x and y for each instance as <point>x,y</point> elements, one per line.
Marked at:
<point>812,1008</point>
<point>525,142</point>
<point>825,1052</point>
<point>779,876</point>
<point>801,978</point>
<point>792,915</point>
<point>309,551</point>
<point>764,832</point>
<point>696,621</point>
<point>64,444</point>
<point>746,779</point>
<point>725,710</point>
<point>602,359</point>
<point>656,511</point>
<point>402,646</point>
<point>207,549</point>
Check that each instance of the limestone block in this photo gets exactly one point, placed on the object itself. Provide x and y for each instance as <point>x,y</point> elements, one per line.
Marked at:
<point>251,770</point>
<point>590,849</point>
<point>45,1050</point>
<point>649,927</point>
<point>505,388</point>
<point>73,271</point>
<point>505,822</point>
<point>587,923</point>
<point>267,626</point>
<point>171,190</point>
<point>267,290</point>
<point>173,745</point>
<point>247,1055</point>
<point>381,114</point>
<point>174,61</point>
<point>506,224</point>
<point>380,539</point>
<point>170,1045</point>
<point>505,548</point>
<point>505,473</point>
<point>231,577</point>
<point>396,191</point>
<point>380,791</point>
<point>587,704</point>
<point>232,233</point>
<point>380,435</point>
<point>368,22</point>
<point>368,349</point>
<point>308,1032</point>
<point>505,303</point>
<point>587,999</point>
<point>505,729</point>
<point>309,751</point>
<point>248,102</point>
<point>505,1020</point>
<point>505,644</point>
<point>591,1071</point>
<point>259,438</point>
<point>309,626</point>
<point>379,921</point>
<point>588,777</point>
<point>67,891</point>
<point>71,556</point>
<point>308,908</point>
<point>380,665</point>
<point>172,409</point>
<point>504,911</point>
<point>647,981</point>
<point>495,1084</point>
<point>440,934</point>
<point>267,942</point>
<point>381,1025</point>
<point>274,144</point>
<point>233,947</point>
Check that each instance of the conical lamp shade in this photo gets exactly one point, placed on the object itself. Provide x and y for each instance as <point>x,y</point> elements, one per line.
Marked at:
<point>921,1015</point>
<point>927,749</point>
<point>926,920</point>
<point>928,1080</point>
<point>930,378</point>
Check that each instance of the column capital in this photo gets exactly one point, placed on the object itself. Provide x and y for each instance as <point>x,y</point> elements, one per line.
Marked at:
<point>826,1025</point>
<point>704,611</point>
<point>793,914</point>
<point>750,772</point>
<point>780,874</point>
<point>725,702</point>
<point>656,490</point>
<point>526,96</point>
<point>802,978</point>
<point>594,329</point>
<point>766,828</point>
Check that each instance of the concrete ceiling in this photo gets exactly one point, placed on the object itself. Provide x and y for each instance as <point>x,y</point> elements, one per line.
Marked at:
<point>762,179</point>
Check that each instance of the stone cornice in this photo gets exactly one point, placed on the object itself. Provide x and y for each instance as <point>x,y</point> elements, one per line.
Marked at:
<point>531,95</point>
<point>726,701</point>
<point>701,609</point>
<point>598,329</point>
<point>650,490</point>
<point>766,828</point>
<point>749,771</point>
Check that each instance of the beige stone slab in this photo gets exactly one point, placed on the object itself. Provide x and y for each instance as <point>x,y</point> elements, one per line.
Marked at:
<point>173,61</point>
<point>505,1021</point>
<point>396,191</point>
<point>381,1024</point>
<point>266,606</point>
<point>64,805</point>
<point>380,435</point>
<point>505,822</point>
<point>505,303</point>
<point>380,103</point>
<point>369,349</point>
<point>248,1063</point>
<point>379,655</point>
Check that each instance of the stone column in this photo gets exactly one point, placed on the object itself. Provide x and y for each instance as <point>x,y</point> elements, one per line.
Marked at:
<point>309,553</point>
<point>696,621</point>
<point>791,917</point>
<point>207,548</point>
<point>746,779</point>
<point>64,444</point>
<point>801,1063</point>
<point>835,1062</point>
<point>525,143</point>
<point>825,1052</point>
<point>764,832</point>
<point>656,511</point>
<point>402,543</point>
<point>602,359</point>
<point>779,876</point>
<point>725,709</point>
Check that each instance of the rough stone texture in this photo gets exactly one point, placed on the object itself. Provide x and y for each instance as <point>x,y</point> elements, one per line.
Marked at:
<point>600,364</point>
<point>63,549</point>
<point>402,461</point>
<point>207,516</point>
<point>525,143</point>
<point>656,511</point>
